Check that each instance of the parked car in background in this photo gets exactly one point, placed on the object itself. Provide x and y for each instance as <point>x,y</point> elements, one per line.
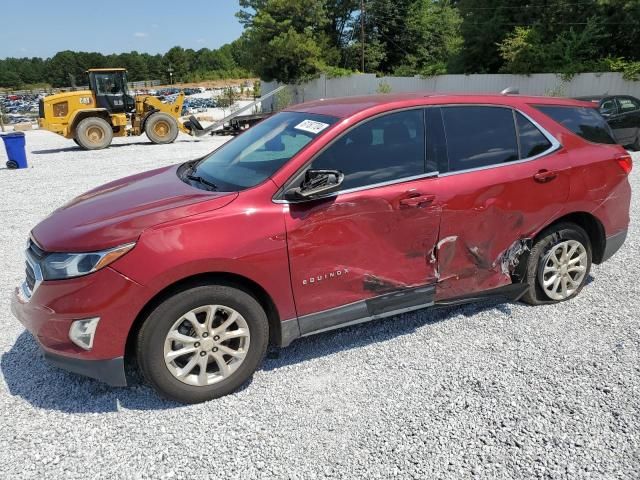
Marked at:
<point>324,215</point>
<point>623,116</point>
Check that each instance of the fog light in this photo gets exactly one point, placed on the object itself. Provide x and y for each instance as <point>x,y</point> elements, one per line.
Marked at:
<point>82,332</point>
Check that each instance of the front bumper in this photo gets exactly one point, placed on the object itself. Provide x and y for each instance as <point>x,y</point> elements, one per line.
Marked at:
<point>109,371</point>
<point>55,305</point>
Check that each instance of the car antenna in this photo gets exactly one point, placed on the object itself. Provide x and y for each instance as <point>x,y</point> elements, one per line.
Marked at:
<point>510,91</point>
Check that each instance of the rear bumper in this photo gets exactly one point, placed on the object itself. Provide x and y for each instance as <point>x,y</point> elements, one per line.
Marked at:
<point>108,371</point>
<point>613,244</point>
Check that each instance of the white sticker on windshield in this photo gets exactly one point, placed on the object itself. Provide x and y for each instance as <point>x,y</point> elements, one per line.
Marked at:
<point>311,126</point>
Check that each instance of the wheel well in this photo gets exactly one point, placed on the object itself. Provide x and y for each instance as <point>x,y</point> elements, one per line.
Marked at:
<point>228,279</point>
<point>82,115</point>
<point>594,229</point>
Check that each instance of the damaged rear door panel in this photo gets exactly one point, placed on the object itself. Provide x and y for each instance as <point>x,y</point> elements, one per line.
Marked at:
<point>492,209</point>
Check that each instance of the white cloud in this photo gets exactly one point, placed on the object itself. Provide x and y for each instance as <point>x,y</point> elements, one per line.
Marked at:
<point>200,40</point>
<point>140,34</point>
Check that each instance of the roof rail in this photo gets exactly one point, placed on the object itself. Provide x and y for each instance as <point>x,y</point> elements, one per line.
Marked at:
<point>510,91</point>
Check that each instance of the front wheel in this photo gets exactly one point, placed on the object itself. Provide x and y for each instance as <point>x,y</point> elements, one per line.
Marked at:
<point>161,128</point>
<point>559,264</point>
<point>203,343</point>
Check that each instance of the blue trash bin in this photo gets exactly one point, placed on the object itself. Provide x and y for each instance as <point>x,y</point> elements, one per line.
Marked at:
<point>14,145</point>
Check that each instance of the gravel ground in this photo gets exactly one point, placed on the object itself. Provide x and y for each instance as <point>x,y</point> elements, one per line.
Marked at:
<point>489,390</point>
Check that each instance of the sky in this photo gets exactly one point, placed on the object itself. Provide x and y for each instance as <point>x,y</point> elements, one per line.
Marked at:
<point>109,26</point>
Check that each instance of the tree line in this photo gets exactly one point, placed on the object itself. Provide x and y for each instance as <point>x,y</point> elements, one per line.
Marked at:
<point>294,40</point>
<point>68,67</point>
<point>299,38</point>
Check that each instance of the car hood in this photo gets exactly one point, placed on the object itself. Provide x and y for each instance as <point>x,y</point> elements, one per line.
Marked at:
<point>118,212</point>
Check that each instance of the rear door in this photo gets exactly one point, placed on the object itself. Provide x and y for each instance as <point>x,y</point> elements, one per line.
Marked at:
<point>506,178</point>
<point>367,251</point>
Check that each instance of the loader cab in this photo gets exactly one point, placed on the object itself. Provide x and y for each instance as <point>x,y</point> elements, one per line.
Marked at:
<point>110,89</point>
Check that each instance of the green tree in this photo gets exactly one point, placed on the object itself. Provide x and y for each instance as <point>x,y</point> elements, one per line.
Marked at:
<point>287,39</point>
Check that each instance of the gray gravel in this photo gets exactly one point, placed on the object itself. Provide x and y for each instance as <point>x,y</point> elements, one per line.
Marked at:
<point>488,391</point>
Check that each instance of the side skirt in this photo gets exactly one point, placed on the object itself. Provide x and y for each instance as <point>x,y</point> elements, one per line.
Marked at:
<point>386,305</point>
<point>382,306</point>
<point>513,292</point>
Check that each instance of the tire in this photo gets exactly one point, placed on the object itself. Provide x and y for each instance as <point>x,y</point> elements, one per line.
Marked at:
<point>552,241</point>
<point>94,133</point>
<point>161,128</point>
<point>12,165</point>
<point>173,316</point>
<point>636,145</point>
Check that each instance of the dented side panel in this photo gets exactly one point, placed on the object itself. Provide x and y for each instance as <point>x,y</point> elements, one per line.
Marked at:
<point>488,219</point>
<point>361,245</point>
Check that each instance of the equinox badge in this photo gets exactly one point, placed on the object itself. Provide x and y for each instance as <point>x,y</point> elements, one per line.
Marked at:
<point>326,276</point>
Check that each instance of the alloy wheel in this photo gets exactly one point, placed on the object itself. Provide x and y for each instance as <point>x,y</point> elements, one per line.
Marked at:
<point>562,269</point>
<point>206,345</point>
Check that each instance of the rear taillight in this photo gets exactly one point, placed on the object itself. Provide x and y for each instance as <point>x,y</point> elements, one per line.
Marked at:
<point>625,162</point>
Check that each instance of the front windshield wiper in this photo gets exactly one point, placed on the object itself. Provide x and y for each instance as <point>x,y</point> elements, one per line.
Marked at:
<point>203,181</point>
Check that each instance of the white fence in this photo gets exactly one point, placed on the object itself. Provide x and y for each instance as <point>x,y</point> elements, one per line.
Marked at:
<point>536,84</point>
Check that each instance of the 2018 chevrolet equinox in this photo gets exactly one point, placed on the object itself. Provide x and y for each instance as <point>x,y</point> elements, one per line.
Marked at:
<point>327,214</point>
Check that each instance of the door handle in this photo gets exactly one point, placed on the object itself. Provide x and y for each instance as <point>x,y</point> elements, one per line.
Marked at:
<point>544,176</point>
<point>417,200</point>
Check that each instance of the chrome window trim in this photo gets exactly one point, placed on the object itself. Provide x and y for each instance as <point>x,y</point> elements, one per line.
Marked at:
<point>555,145</point>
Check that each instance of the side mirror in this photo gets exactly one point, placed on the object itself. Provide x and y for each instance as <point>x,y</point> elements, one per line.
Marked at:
<point>316,184</point>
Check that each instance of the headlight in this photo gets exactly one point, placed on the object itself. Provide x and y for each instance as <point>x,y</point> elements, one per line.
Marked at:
<point>57,266</point>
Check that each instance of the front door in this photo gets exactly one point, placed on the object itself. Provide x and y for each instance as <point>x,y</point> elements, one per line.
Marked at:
<point>367,251</point>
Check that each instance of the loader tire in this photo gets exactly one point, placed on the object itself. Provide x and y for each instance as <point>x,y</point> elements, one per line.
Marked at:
<point>161,128</point>
<point>94,133</point>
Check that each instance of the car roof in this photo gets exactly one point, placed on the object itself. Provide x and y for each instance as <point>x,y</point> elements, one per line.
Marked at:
<point>342,107</point>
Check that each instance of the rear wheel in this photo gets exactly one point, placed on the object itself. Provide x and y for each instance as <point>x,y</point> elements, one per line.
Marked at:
<point>202,343</point>
<point>636,145</point>
<point>559,264</point>
<point>93,133</point>
<point>161,128</point>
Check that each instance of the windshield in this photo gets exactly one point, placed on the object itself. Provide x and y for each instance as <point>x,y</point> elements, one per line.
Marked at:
<point>259,152</point>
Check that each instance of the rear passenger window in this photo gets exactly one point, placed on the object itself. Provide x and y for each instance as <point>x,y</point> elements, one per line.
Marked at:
<point>390,147</point>
<point>479,136</point>
<point>583,121</point>
<point>532,141</point>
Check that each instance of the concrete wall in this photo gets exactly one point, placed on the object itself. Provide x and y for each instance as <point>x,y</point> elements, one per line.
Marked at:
<point>536,84</point>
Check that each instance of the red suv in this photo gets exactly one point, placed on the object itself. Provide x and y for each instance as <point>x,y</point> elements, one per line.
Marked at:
<point>327,214</point>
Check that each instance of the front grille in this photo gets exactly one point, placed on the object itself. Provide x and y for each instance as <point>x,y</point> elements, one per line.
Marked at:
<point>36,252</point>
<point>31,277</point>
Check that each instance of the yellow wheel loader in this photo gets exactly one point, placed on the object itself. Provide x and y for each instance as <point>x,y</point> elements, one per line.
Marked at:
<point>93,117</point>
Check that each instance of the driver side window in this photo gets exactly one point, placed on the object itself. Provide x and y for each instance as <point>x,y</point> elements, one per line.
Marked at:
<point>389,147</point>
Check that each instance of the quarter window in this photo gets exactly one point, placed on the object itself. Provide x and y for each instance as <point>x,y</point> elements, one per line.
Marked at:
<point>532,141</point>
<point>583,121</point>
<point>479,136</point>
<point>390,147</point>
